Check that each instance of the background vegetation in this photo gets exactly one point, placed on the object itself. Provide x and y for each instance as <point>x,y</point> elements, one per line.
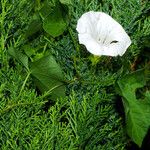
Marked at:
<point>55,95</point>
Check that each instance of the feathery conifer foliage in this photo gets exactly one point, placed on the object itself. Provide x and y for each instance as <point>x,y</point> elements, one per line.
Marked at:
<point>53,93</point>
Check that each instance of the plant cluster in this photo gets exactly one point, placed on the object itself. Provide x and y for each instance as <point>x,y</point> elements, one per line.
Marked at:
<point>55,95</point>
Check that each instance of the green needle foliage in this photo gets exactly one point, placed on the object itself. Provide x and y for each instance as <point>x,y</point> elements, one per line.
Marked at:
<point>54,94</point>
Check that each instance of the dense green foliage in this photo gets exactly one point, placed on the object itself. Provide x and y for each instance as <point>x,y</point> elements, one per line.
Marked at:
<point>40,60</point>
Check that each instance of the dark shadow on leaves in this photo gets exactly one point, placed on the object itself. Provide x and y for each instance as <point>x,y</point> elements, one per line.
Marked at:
<point>146,141</point>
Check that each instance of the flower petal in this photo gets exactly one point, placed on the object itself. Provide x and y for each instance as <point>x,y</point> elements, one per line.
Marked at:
<point>92,46</point>
<point>102,35</point>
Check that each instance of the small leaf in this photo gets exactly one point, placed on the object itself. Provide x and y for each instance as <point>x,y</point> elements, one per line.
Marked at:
<point>29,51</point>
<point>54,23</point>
<point>66,2</point>
<point>19,56</point>
<point>48,75</point>
<point>137,111</point>
<point>34,27</point>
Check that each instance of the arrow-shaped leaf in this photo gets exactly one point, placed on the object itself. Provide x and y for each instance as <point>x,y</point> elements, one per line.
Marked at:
<point>137,110</point>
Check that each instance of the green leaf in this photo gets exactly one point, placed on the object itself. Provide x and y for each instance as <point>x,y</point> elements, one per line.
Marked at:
<point>19,56</point>
<point>29,51</point>
<point>48,75</point>
<point>66,2</point>
<point>54,19</point>
<point>34,27</point>
<point>137,110</point>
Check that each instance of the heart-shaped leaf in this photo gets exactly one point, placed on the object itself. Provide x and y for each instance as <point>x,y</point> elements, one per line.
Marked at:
<point>137,110</point>
<point>54,19</point>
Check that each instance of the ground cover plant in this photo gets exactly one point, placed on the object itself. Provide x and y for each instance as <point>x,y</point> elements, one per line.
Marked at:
<point>54,94</point>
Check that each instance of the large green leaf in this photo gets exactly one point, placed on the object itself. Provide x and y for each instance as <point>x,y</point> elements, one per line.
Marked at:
<point>48,75</point>
<point>137,110</point>
<point>54,19</point>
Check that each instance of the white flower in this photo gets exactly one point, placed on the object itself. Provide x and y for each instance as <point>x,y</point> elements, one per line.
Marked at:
<point>102,35</point>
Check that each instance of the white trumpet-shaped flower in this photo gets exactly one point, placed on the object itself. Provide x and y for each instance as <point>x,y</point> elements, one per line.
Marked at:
<point>102,35</point>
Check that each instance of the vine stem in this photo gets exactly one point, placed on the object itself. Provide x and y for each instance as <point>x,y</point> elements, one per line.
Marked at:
<point>23,85</point>
<point>18,105</point>
<point>49,91</point>
<point>73,39</point>
<point>76,45</point>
